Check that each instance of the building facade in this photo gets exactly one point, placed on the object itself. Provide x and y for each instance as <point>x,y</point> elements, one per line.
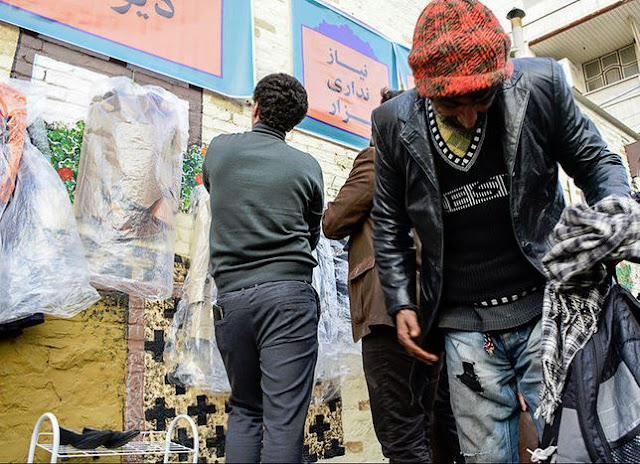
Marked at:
<point>104,367</point>
<point>598,42</point>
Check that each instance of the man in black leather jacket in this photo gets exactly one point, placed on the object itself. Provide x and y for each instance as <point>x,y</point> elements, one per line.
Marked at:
<point>469,159</point>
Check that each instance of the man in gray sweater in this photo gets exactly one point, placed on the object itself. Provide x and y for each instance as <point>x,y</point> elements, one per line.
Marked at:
<point>266,206</point>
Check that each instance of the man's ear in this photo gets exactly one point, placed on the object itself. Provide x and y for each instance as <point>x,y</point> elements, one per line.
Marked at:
<point>255,113</point>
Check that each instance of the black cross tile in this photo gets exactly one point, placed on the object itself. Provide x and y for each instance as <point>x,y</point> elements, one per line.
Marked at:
<point>218,441</point>
<point>319,427</point>
<point>306,457</point>
<point>184,440</point>
<point>156,347</point>
<point>170,311</point>
<point>180,390</point>
<point>335,450</point>
<point>333,404</point>
<point>160,413</point>
<point>201,410</point>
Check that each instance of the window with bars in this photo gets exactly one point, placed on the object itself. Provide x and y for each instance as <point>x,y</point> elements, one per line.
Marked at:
<point>611,68</point>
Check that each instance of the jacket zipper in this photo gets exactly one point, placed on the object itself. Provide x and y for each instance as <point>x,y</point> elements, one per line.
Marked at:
<point>593,454</point>
<point>599,364</point>
<point>511,197</point>
<point>441,270</point>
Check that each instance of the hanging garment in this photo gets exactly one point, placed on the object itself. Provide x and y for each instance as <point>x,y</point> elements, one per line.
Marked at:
<point>591,338</point>
<point>587,240</point>
<point>44,269</point>
<point>191,355</point>
<point>13,126</point>
<point>129,187</point>
<point>598,419</point>
<point>335,342</point>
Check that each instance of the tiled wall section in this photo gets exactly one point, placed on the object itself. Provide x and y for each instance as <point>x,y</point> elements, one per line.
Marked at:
<point>162,401</point>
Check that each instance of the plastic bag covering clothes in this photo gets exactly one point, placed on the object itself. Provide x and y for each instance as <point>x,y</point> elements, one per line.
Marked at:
<point>129,187</point>
<point>335,345</point>
<point>43,266</point>
<point>13,126</point>
<point>341,265</point>
<point>191,355</point>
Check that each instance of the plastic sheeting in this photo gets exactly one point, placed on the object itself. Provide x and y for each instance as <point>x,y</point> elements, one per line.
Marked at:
<point>336,351</point>
<point>341,265</point>
<point>129,186</point>
<point>43,269</point>
<point>191,355</point>
<point>13,126</point>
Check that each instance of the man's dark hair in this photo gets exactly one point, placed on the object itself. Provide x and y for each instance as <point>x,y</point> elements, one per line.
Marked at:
<point>387,94</point>
<point>282,101</point>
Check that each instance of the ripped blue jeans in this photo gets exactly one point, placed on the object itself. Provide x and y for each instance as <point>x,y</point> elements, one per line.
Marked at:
<point>484,389</point>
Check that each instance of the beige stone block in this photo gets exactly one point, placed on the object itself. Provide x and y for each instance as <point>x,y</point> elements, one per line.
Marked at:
<point>8,45</point>
<point>354,446</point>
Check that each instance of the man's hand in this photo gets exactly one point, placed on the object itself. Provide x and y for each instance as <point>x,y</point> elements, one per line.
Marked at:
<point>408,329</point>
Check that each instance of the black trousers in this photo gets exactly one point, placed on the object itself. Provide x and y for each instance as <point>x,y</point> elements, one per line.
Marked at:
<point>404,419</point>
<point>268,339</point>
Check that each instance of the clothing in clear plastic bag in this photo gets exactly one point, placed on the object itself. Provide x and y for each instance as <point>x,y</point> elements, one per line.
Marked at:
<point>129,186</point>
<point>341,264</point>
<point>191,355</point>
<point>13,127</point>
<point>334,327</point>
<point>43,266</point>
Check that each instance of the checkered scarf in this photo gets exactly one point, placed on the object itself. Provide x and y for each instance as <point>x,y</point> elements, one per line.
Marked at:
<point>587,239</point>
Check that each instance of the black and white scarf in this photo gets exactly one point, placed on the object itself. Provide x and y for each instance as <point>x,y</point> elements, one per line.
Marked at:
<point>587,239</point>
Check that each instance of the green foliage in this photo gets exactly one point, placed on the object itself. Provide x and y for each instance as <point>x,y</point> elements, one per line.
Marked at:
<point>191,173</point>
<point>66,142</point>
<point>623,271</point>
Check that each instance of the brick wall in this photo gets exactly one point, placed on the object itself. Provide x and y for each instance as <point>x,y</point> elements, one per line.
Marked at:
<point>274,52</point>
<point>70,76</point>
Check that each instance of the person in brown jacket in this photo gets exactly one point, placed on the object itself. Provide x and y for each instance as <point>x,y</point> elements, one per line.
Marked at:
<point>402,428</point>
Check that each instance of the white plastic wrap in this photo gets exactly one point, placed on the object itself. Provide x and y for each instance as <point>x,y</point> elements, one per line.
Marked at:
<point>336,348</point>
<point>128,187</point>
<point>191,355</point>
<point>341,265</point>
<point>43,267</point>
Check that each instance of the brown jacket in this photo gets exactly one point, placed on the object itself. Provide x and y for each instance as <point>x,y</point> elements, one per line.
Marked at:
<point>348,215</point>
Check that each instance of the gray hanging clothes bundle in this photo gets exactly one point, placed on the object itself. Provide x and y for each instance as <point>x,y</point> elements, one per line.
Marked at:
<point>128,187</point>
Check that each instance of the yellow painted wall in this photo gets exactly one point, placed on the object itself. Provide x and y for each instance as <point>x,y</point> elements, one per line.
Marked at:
<point>74,368</point>
<point>8,44</point>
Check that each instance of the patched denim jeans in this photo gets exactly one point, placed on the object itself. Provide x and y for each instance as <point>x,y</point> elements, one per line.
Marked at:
<point>484,389</point>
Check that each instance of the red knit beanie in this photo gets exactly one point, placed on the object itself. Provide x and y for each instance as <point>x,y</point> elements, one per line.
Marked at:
<point>459,47</point>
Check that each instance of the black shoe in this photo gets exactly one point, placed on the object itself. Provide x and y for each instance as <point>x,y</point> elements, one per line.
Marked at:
<point>114,439</point>
<point>86,441</point>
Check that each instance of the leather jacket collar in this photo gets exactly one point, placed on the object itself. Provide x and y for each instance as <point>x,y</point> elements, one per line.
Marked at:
<point>513,101</point>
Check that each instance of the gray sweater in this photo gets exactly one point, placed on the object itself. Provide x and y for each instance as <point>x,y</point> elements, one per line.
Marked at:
<point>266,206</point>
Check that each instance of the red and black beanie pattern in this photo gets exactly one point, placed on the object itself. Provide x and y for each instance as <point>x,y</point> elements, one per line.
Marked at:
<point>459,47</point>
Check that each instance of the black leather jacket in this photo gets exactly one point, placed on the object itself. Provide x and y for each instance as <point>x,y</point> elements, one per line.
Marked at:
<point>543,127</point>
